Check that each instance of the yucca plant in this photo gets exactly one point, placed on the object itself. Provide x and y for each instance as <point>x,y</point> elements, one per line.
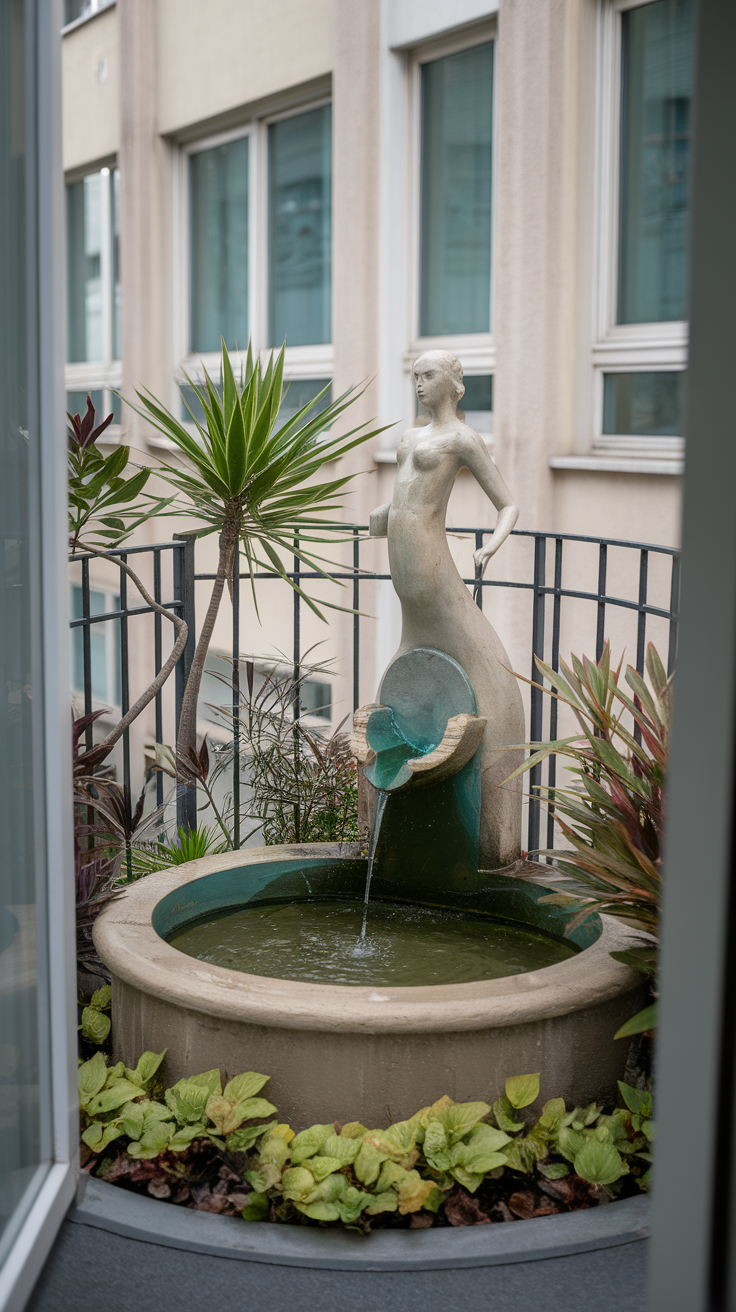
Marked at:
<point>613,818</point>
<point>189,845</point>
<point>249,479</point>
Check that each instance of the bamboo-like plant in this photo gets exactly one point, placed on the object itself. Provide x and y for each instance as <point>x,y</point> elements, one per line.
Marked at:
<point>613,818</point>
<point>253,482</point>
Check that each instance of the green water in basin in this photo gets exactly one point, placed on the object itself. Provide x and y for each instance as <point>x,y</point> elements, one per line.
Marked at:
<point>321,942</point>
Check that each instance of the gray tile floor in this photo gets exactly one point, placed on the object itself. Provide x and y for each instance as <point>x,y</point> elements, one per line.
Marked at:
<point>91,1270</point>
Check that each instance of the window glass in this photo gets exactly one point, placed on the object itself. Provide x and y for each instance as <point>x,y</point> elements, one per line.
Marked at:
<point>644,404</point>
<point>93,280</point>
<point>300,228</point>
<point>74,9</point>
<point>24,1127</point>
<point>218,225</point>
<point>657,52</point>
<point>84,238</point>
<point>315,698</point>
<point>116,264</point>
<point>103,643</point>
<point>297,392</point>
<point>457,104</point>
<point>76,402</point>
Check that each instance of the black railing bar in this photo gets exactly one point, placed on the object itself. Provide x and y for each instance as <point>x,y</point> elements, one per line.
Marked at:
<point>158,648</point>
<point>601,626</point>
<point>296,699</point>
<point>125,682</point>
<point>545,533</point>
<point>555,660</point>
<point>360,528</point>
<point>641,635</point>
<point>471,583</point>
<point>236,702</point>
<point>576,537</point>
<point>605,600</point>
<point>76,556</point>
<point>356,621</point>
<point>537,696</point>
<point>118,614</point>
<point>674,615</point>
<point>86,657</point>
<point>565,537</point>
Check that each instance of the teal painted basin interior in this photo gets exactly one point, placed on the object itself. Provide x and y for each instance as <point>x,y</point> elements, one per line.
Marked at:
<point>299,879</point>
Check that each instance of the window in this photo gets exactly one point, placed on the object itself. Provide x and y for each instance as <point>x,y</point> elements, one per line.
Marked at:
<point>300,228</point>
<point>93,291</point>
<point>645,123</point>
<point>256,209</point>
<point>450,143</point>
<point>656,90</point>
<point>218,200</point>
<point>456,116</point>
<point>76,10</point>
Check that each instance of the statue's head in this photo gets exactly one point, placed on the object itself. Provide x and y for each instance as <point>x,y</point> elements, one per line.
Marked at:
<point>438,374</point>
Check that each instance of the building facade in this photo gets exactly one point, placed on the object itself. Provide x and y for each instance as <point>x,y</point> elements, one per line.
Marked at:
<point>368,179</point>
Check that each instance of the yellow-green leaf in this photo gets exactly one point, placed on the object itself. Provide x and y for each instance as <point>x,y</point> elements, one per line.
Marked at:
<point>521,1090</point>
<point>245,1086</point>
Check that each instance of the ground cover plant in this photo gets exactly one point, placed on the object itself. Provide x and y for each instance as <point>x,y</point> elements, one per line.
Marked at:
<point>221,1148</point>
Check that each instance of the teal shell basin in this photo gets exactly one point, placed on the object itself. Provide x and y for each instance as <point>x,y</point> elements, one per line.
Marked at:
<point>304,920</point>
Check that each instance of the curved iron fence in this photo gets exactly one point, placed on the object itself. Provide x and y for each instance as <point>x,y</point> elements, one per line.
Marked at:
<point>545,585</point>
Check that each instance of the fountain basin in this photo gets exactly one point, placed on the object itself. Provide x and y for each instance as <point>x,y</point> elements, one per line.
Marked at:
<point>370,1053</point>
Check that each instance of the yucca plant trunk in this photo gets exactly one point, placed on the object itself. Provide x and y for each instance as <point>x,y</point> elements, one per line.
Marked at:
<point>187,735</point>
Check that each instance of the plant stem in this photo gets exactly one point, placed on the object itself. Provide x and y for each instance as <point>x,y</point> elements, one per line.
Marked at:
<point>182,631</point>
<point>187,736</point>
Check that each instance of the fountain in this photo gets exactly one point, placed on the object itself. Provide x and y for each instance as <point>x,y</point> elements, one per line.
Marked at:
<point>367,989</point>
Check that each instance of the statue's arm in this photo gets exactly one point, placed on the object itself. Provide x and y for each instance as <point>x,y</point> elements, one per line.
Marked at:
<point>378,522</point>
<point>478,461</point>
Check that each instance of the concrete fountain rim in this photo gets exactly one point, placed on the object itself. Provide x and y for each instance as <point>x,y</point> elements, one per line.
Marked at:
<point>129,945</point>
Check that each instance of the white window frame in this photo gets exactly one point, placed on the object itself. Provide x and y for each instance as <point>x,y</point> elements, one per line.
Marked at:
<point>476,351</point>
<point>105,375</point>
<point>300,362</point>
<point>93,8</point>
<point>621,348</point>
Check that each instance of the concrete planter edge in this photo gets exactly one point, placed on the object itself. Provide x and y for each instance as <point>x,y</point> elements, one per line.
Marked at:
<point>119,1211</point>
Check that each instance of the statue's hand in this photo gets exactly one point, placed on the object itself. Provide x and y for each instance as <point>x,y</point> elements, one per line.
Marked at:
<point>507,517</point>
<point>484,553</point>
<point>378,521</point>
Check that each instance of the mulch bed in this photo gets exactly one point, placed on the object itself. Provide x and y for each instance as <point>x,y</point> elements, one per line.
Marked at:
<point>206,1180</point>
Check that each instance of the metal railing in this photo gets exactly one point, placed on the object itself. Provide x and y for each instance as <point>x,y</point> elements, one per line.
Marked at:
<point>545,586</point>
<point>182,561</point>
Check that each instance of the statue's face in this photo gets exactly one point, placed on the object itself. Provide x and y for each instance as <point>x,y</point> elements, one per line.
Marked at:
<point>431,383</point>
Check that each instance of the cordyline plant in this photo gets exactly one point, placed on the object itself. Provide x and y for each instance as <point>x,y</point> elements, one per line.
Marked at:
<point>104,509</point>
<point>613,818</point>
<point>250,480</point>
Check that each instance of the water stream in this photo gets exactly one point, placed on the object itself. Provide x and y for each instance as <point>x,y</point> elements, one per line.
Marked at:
<point>362,947</point>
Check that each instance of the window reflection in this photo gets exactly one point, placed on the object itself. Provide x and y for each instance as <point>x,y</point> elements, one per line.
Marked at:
<point>655,161</point>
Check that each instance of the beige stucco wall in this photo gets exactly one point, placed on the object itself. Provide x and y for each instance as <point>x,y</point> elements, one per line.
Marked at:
<point>91,91</point>
<point>232,52</point>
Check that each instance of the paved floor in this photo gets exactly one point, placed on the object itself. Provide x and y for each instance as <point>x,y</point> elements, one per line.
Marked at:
<point>91,1270</point>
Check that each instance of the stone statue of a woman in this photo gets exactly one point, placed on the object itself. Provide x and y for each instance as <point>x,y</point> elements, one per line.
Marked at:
<point>436,607</point>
